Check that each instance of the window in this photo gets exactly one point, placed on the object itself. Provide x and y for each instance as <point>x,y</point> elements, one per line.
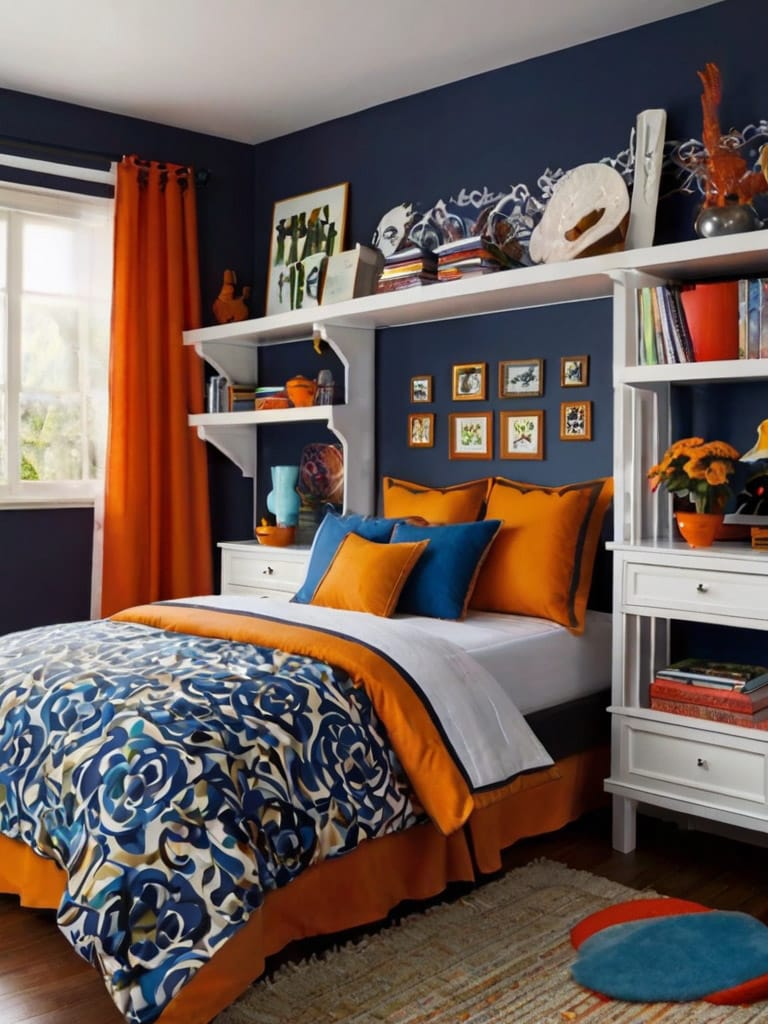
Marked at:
<point>55,303</point>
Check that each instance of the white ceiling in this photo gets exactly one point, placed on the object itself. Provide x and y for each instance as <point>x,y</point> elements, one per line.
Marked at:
<point>252,70</point>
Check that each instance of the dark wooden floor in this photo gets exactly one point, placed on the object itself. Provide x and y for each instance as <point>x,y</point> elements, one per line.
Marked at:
<point>42,981</point>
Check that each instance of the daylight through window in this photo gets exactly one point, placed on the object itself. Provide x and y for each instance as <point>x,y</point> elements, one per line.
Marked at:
<point>55,292</point>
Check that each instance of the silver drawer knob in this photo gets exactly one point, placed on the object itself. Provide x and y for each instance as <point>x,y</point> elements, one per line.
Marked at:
<point>268,571</point>
<point>701,763</point>
<point>702,588</point>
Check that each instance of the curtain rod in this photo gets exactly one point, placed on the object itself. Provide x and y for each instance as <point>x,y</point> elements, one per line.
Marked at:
<point>66,155</point>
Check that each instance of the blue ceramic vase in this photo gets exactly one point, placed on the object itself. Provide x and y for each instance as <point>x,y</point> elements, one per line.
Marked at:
<point>283,500</point>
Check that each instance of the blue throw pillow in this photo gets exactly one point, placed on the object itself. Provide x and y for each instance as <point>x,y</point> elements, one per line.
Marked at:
<point>331,532</point>
<point>443,579</point>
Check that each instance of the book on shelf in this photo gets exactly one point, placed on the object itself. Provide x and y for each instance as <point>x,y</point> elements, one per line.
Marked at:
<point>709,696</point>
<point>663,333</point>
<point>718,674</point>
<point>758,720</point>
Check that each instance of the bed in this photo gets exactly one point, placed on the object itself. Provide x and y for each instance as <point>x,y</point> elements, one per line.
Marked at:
<point>194,784</point>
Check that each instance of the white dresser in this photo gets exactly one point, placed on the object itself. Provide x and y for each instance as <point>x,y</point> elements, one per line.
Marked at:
<point>250,568</point>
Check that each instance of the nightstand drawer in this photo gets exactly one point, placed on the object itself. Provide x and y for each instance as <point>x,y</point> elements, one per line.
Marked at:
<point>695,764</point>
<point>252,568</point>
<point>706,593</point>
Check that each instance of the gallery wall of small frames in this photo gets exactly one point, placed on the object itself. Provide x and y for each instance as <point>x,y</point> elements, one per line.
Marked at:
<point>520,430</point>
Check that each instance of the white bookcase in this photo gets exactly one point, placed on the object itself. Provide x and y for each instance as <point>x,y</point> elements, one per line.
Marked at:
<point>691,766</point>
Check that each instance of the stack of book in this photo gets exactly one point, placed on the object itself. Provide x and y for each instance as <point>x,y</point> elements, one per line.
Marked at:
<point>718,691</point>
<point>408,268</point>
<point>664,336</point>
<point>467,257</point>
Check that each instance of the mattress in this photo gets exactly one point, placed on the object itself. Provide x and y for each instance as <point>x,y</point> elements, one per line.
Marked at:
<point>539,663</point>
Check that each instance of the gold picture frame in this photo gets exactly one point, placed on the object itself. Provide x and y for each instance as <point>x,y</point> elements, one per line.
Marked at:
<point>469,382</point>
<point>575,421</point>
<point>306,230</point>
<point>421,388</point>
<point>574,371</point>
<point>521,378</point>
<point>521,434</point>
<point>421,430</point>
<point>470,435</point>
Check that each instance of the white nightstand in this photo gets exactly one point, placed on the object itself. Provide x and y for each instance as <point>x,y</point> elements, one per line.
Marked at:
<point>250,568</point>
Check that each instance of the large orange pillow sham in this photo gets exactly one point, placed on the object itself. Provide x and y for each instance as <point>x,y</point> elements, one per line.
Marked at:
<point>460,503</point>
<point>542,559</point>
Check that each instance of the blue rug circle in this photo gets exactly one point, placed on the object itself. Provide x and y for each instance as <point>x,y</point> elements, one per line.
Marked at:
<point>673,959</point>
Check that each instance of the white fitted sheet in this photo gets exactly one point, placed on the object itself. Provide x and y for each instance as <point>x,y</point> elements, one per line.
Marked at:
<point>537,662</point>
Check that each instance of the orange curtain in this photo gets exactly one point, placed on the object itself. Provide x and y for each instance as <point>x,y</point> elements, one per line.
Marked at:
<point>156,540</point>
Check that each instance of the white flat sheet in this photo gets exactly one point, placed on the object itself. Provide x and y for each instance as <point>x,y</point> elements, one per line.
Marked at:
<point>537,662</point>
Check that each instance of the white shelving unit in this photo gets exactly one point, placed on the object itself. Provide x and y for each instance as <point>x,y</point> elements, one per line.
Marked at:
<point>691,766</point>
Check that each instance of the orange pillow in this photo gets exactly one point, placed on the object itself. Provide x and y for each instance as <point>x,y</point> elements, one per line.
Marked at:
<point>461,503</point>
<point>542,559</point>
<point>365,576</point>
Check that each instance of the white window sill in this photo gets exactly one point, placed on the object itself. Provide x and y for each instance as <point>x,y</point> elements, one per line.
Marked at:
<point>22,504</point>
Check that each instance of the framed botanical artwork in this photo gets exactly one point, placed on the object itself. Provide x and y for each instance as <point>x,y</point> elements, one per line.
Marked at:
<point>421,389</point>
<point>519,378</point>
<point>470,436</point>
<point>575,421</point>
<point>306,230</point>
<point>522,434</point>
<point>469,381</point>
<point>574,371</point>
<point>421,430</point>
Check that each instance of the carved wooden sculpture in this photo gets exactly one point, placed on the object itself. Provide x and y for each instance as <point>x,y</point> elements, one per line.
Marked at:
<point>227,307</point>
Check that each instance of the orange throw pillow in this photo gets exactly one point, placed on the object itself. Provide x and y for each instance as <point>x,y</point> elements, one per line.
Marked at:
<point>542,559</point>
<point>365,576</point>
<point>461,503</point>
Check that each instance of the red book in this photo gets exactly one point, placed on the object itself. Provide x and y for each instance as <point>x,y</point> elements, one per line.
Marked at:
<point>708,696</point>
<point>759,720</point>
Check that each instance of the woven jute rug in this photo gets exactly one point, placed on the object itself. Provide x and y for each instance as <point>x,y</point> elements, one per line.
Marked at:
<point>500,955</point>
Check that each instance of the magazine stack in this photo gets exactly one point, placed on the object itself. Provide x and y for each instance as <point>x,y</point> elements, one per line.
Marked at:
<point>408,268</point>
<point>718,691</point>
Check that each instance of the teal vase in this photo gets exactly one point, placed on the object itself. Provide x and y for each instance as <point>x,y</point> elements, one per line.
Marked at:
<point>283,500</point>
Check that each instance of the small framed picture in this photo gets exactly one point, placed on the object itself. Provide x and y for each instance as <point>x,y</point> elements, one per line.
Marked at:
<point>575,421</point>
<point>470,437</point>
<point>469,381</point>
<point>522,434</point>
<point>519,378</point>
<point>421,430</point>
<point>574,371</point>
<point>421,389</point>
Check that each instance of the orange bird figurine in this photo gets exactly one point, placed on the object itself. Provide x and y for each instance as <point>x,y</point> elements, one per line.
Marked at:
<point>227,307</point>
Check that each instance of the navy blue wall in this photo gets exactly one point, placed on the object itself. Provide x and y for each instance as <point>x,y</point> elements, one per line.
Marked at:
<point>498,130</point>
<point>46,554</point>
<point>494,130</point>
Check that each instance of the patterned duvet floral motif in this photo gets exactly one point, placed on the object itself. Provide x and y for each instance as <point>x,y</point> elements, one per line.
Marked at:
<point>176,779</point>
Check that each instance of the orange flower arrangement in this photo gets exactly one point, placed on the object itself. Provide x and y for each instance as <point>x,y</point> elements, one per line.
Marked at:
<point>698,469</point>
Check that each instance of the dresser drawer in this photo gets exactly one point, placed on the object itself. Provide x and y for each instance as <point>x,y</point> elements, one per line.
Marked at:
<point>252,568</point>
<point>697,765</point>
<point>709,594</point>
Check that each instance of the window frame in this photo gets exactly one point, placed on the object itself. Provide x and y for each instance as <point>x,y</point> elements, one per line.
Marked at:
<point>16,202</point>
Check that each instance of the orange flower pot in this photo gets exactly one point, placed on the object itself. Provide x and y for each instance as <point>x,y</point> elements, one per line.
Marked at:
<point>699,528</point>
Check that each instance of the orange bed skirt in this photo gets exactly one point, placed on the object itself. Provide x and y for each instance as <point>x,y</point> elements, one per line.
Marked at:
<point>357,889</point>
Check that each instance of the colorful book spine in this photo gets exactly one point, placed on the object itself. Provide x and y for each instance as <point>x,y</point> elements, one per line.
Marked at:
<point>764,319</point>
<point>754,304</point>
<point>729,700</point>
<point>743,307</point>
<point>680,707</point>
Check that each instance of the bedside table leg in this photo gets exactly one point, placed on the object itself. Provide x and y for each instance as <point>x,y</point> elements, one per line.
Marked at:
<point>624,824</point>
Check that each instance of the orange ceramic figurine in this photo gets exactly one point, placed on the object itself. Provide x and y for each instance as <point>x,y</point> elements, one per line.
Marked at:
<point>726,177</point>
<point>227,308</point>
<point>301,390</point>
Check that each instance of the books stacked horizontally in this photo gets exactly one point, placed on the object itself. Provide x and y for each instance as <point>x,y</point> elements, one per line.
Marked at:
<point>718,691</point>
<point>467,257</point>
<point>408,268</point>
<point>664,336</point>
